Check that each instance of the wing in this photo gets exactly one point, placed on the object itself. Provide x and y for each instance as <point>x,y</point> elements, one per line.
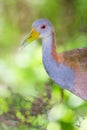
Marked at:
<point>76,58</point>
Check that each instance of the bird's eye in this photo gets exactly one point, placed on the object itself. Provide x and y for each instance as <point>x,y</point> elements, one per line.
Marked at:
<point>43,26</point>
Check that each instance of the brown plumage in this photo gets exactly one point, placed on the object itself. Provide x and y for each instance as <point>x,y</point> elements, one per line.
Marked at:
<point>76,58</point>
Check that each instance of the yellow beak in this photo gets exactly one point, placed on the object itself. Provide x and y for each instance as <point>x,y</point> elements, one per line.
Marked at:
<point>33,35</point>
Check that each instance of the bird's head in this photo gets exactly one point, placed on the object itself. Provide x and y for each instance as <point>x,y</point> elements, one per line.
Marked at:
<point>41,28</point>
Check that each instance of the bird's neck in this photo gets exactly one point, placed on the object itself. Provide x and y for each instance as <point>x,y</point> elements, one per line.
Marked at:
<point>49,48</point>
<point>49,54</point>
<point>53,63</point>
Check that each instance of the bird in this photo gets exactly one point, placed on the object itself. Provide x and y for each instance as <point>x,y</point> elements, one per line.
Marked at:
<point>68,69</point>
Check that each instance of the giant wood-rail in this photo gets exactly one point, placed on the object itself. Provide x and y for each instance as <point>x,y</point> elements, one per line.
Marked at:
<point>67,69</point>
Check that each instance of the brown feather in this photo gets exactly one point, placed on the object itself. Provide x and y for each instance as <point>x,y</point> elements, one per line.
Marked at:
<point>76,59</point>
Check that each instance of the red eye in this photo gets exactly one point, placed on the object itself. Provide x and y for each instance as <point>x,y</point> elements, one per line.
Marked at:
<point>43,26</point>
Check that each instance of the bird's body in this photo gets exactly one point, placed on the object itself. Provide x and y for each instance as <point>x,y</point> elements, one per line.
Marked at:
<point>67,69</point>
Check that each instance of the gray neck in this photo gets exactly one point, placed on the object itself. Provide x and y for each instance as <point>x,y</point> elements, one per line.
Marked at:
<point>47,47</point>
<point>48,61</point>
<point>59,73</point>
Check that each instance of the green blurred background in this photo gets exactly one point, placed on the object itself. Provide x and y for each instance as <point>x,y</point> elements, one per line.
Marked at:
<point>29,100</point>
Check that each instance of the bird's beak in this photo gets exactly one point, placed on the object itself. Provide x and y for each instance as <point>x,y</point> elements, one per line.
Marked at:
<point>33,35</point>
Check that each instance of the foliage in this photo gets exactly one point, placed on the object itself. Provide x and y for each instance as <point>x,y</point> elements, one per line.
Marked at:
<point>29,100</point>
